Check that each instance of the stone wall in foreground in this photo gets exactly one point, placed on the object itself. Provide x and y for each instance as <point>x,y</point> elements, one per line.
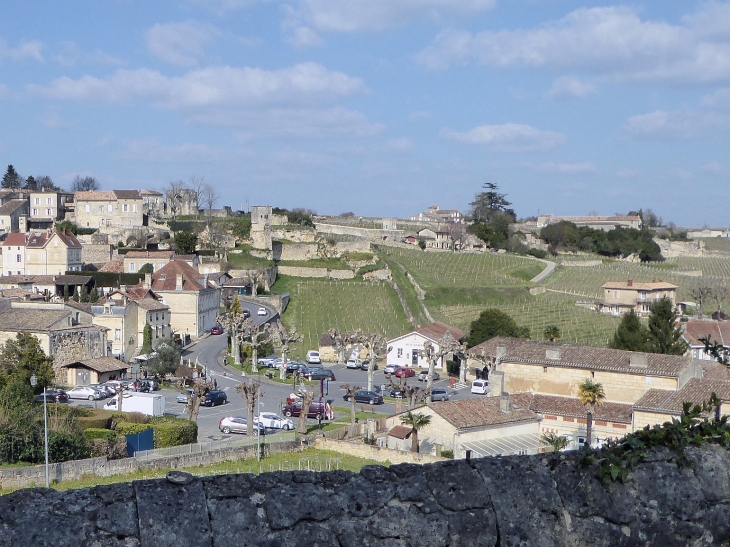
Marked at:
<point>543,501</point>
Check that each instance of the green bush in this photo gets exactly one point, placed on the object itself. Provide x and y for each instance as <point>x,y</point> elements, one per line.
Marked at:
<point>21,445</point>
<point>126,428</point>
<point>452,368</point>
<point>448,454</point>
<point>175,433</point>
<point>137,418</point>
<point>95,433</point>
<point>64,446</point>
<point>99,419</point>
<point>537,253</point>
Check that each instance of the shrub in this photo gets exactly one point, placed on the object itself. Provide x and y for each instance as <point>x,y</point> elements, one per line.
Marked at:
<point>126,428</point>
<point>537,253</point>
<point>95,433</point>
<point>63,446</point>
<point>175,433</point>
<point>99,419</point>
<point>452,368</point>
<point>137,418</point>
<point>449,454</point>
<point>21,446</point>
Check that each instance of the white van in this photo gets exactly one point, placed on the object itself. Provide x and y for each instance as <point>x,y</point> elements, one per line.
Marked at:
<point>480,387</point>
<point>313,357</point>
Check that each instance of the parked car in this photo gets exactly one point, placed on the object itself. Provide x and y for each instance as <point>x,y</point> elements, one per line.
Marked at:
<point>154,385</point>
<point>390,369</point>
<point>234,424</point>
<point>353,363</point>
<point>366,364</point>
<point>313,357</point>
<point>267,361</point>
<point>215,398</point>
<point>320,374</point>
<point>263,311</point>
<point>217,329</point>
<point>52,396</point>
<point>295,366</point>
<point>480,387</point>
<point>423,376</point>
<point>271,420</point>
<point>316,409</point>
<point>246,313</point>
<point>404,372</point>
<point>84,392</point>
<point>439,394</point>
<point>181,398</point>
<point>106,390</point>
<point>365,396</point>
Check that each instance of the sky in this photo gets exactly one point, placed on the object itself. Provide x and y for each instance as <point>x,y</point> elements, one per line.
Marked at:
<point>379,107</point>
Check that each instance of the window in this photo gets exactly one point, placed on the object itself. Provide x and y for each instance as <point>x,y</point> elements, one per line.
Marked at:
<point>615,294</point>
<point>37,201</point>
<point>49,201</point>
<point>101,208</point>
<point>125,208</point>
<point>134,207</point>
<point>117,334</point>
<point>400,353</point>
<point>132,268</point>
<point>35,212</point>
<point>109,208</point>
<point>157,317</point>
<point>49,212</point>
<point>87,208</point>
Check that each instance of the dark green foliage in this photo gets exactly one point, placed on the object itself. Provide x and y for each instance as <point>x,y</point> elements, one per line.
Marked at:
<point>147,269</point>
<point>493,322</point>
<point>488,203</point>
<point>448,454</point>
<point>422,244</point>
<point>186,242</point>
<point>11,179</point>
<point>20,358</point>
<point>127,428</point>
<point>452,368</point>
<point>111,279</point>
<point>100,419</point>
<point>21,444</point>
<point>617,242</point>
<point>146,338</point>
<point>618,458</point>
<point>267,348</point>
<point>94,295</point>
<point>84,295</point>
<point>664,337</point>
<point>31,184</point>
<point>174,432</point>
<point>71,228</point>
<point>65,292</point>
<point>97,433</point>
<point>494,233</point>
<point>65,446</point>
<point>240,226</point>
<point>538,253</point>
<point>165,362</point>
<point>302,217</point>
<point>182,226</point>
<point>630,335</point>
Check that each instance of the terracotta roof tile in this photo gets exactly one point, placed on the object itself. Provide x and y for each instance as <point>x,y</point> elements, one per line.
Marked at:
<point>126,194</point>
<point>400,432</point>
<point>695,391</point>
<point>101,364</point>
<point>484,411</point>
<point>639,285</point>
<point>115,266</point>
<point>436,330</point>
<point>568,406</point>
<point>98,195</point>
<point>169,255</point>
<point>573,356</point>
<point>165,279</point>
<point>719,331</point>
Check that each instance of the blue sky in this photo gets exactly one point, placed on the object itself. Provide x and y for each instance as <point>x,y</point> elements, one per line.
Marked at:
<point>381,107</point>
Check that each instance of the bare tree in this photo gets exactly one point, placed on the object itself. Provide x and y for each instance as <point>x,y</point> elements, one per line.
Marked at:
<point>119,390</point>
<point>173,191</point>
<point>200,390</point>
<point>249,392</point>
<point>339,342</point>
<point>483,358</point>
<point>720,293</point>
<point>457,233</point>
<point>283,339</point>
<point>413,394</point>
<point>255,336</point>
<point>234,324</point>
<point>306,401</point>
<point>208,196</point>
<point>701,294</point>
<point>446,345</point>
<point>84,184</point>
<point>350,392</point>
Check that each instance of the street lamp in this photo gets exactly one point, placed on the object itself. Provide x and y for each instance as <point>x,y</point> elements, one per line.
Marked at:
<point>34,382</point>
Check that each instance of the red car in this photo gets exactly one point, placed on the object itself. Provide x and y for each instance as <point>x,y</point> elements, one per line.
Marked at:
<point>316,409</point>
<point>217,329</point>
<point>404,372</point>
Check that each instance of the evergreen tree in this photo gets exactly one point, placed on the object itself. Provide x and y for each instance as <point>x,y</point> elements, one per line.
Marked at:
<point>84,297</point>
<point>236,306</point>
<point>493,322</point>
<point>65,292</point>
<point>31,183</point>
<point>146,338</point>
<point>630,335</point>
<point>94,295</point>
<point>11,178</point>
<point>664,337</point>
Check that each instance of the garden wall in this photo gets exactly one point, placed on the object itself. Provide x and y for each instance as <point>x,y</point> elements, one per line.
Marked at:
<point>370,452</point>
<point>297,271</point>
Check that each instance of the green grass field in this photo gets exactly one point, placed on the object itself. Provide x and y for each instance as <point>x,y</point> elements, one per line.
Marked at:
<point>318,305</point>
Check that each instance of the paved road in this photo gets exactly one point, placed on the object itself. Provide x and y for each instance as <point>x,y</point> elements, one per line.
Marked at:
<point>549,268</point>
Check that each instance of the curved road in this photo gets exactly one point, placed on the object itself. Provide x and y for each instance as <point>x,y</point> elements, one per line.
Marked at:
<point>549,268</point>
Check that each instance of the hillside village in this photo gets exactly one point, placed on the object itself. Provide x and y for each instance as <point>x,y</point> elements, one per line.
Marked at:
<point>105,278</point>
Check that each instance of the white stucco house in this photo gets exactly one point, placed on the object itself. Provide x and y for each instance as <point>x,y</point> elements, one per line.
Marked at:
<point>406,349</point>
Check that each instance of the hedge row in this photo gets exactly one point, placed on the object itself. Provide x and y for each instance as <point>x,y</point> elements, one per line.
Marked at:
<point>175,433</point>
<point>100,419</point>
<point>127,428</point>
<point>95,433</point>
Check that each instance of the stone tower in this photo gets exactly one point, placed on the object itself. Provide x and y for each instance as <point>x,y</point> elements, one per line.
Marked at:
<point>182,202</point>
<point>261,227</point>
<point>389,224</point>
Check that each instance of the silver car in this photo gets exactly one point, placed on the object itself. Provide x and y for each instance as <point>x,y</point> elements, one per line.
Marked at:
<point>235,424</point>
<point>85,392</point>
<point>271,420</point>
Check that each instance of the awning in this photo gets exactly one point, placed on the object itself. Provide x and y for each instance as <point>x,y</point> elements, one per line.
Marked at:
<point>505,446</point>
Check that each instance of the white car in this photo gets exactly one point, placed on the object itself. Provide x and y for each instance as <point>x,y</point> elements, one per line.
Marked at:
<point>353,363</point>
<point>313,357</point>
<point>423,376</point>
<point>263,311</point>
<point>480,387</point>
<point>390,369</point>
<point>82,392</point>
<point>235,424</point>
<point>271,420</point>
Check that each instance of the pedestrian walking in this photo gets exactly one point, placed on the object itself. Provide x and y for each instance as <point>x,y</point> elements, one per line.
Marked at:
<point>215,383</point>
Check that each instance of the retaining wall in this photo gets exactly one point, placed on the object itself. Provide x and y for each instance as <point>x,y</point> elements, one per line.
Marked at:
<point>298,271</point>
<point>370,452</point>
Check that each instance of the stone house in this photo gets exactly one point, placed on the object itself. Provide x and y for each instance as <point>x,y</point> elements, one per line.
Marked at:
<point>94,371</point>
<point>605,223</point>
<point>435,214</point>
<point>399,438</point>
<point>718,331</point>
<point>487,426</point>
<point>57,334</point>
<point>435,238</point>
<point>621,296</point>
<point>552,368</point>
<point>121,322</point>
<point>153,203</point>
<point>41,253</point>
<point>46,207</point>
<point>194,302</point>
<point>114,208</point>
<point>13,215</point>
<point>134,260</point>
<point>406,349</point>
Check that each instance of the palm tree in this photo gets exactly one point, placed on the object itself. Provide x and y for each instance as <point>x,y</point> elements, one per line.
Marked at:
<point>591,395</point>
<point>554,441</point>
<point>552,333</point>
<point>416,421</point>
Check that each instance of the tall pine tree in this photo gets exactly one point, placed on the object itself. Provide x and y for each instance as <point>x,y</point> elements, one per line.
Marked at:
<point>664,337</point>
<point>630,335</point>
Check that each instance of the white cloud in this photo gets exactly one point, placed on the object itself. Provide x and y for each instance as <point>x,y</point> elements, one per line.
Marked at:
<point>610,41</point>
<point>298,123</point>
<point>25,50</point>
<point>302,37</point>
<point>567,168</point>
<point>676,124</point>
<point>509,137</point>
<point>570,87</point>
<point>718,99</point>
<point>681,173</point>
<point>222,86</point>
<point>375,15</point>
<point>70,54</point>
<point>153,151</point>
<point>180,44</point>
<point>714,168</point>
<point>401,144</point>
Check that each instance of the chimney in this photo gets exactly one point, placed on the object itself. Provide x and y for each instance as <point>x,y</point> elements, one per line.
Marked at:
<point>630,283</point>
<point>147,281</point>
<point>179,282</point>
<point>504,402</point>
<point>553,354</point>
<point>501,352</point>
<point>638,360</point>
